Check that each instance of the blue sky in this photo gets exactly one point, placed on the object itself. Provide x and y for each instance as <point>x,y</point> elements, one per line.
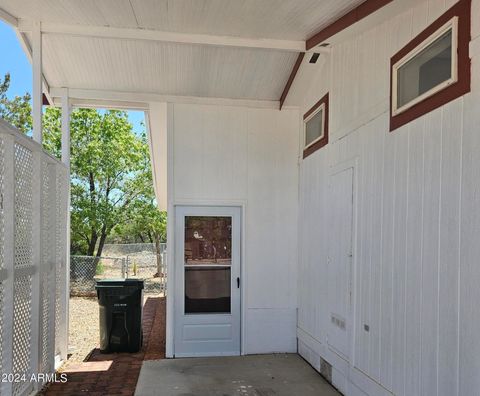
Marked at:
<point>14,61</point>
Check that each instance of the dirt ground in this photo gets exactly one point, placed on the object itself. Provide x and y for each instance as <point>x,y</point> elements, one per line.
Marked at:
<point>84,328</point>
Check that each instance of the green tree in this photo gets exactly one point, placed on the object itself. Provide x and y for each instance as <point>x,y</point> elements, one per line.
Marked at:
<point>144,222</point>
<point>111,180</point>
<point>16,111</point>
<point>107,166</point>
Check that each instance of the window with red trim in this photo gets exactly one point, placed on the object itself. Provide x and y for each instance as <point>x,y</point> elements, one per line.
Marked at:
<point>433,69</point>
<point>315,131</point>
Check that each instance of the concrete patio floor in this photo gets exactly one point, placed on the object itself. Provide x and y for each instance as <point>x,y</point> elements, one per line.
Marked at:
<point>256,375</point>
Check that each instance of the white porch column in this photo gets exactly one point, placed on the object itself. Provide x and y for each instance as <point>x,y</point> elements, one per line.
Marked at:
<point>65,128</point>
<point>37,81</point>
<point>66,109</point>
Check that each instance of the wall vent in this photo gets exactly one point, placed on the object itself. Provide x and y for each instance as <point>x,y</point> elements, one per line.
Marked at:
<point>338,321</point>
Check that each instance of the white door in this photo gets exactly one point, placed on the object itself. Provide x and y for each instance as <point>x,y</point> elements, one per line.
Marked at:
<point>340,262</point>
<point>207,281</point>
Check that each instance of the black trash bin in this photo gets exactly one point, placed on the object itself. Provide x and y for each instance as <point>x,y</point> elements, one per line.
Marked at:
<point>120,303</point>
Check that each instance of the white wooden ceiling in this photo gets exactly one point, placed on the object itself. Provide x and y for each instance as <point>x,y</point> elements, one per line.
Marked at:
<point>281,19</point>
<point>166,68</point>
<point>160,67</point>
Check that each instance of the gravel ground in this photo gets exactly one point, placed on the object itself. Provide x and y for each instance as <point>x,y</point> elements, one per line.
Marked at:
<point>84,328</point>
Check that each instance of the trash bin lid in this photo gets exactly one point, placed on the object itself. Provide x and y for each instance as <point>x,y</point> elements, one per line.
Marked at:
<point>113,283</point>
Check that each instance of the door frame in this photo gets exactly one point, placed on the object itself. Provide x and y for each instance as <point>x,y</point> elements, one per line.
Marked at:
<point>352,163</point>
<point>171,303</point>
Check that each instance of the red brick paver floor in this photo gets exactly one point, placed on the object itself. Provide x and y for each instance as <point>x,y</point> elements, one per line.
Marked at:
<point>117,373</point>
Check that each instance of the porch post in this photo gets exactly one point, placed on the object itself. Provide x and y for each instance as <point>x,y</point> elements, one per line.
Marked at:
<point>37,81</point>
<point>65,128</point>
<point>66,160</point>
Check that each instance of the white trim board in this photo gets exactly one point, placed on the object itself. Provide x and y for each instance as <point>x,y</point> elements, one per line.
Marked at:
<point>139,100</point>
<point>165,36</point>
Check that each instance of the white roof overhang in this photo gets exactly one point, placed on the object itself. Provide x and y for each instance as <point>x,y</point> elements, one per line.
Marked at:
<point>132,52</point>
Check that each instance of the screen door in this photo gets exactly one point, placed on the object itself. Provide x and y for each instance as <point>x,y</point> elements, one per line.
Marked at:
<point>207,281</point>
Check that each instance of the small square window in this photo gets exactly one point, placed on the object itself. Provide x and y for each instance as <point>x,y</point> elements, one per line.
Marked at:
<point>426,70</point>
<point>316,127</point>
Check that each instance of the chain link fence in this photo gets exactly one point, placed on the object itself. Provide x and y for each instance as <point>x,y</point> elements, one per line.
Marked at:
<point>143,264</point>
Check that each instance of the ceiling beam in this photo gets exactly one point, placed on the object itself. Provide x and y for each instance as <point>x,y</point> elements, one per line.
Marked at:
<point>296,66</point>
<point>360,12</point>
<point>138,100</point>
<point>27,49</point>
<point>169,37</point>
<point>9,18</point>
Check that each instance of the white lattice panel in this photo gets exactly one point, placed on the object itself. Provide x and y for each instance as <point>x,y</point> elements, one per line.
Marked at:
<point>2,233</point>
<point>2,299</point>
<point>61,292</point>
<point>33,219</point>
<point>2,222</point>
<point>48,257</point>
<point>47,310</point>
<point>23,206</point>
<point>22,329</point>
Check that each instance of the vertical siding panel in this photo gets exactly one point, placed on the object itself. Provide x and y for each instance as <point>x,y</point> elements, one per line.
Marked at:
<point>386,314</point>
<point>414,238</point>
<point>431,202</point>
<point>319,250</point>
<point>380,67</point>
<point>435,9</point>
<point>420,15</point>
<point>401,34</point>
<point>400,230</point>
<point>449,249</point>
<point>376,238</point>
<point>362,342</point>
<point>188,179</point>
<point>414,257</point>
<point>469,369</point>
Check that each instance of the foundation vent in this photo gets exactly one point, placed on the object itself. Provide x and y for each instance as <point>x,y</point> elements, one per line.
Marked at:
<point>326,370</point>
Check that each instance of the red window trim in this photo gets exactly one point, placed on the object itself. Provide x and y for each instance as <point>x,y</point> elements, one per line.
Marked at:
<point>462,10</point>
<point>323,141</point>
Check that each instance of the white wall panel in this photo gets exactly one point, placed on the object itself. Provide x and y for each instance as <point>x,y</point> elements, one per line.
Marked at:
<point>416,283</point>
<point>248,157</point>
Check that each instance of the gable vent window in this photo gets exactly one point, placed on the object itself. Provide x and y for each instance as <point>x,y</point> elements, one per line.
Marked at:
<point>433,69</point>
<point>316,127</point>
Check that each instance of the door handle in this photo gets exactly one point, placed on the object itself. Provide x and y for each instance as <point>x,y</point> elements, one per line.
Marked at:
<point>238,283</point>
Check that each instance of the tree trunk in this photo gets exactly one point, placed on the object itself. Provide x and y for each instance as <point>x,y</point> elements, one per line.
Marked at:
<point>103,237</point>
<point>159,255</point>
<point>92,243</point>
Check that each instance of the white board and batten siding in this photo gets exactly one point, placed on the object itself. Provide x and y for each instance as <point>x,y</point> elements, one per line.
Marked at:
<point>415,275</point>
<point>225,155</point>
